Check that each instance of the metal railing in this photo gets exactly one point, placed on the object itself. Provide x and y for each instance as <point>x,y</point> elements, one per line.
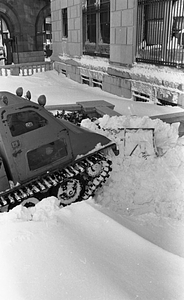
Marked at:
<point>25,69</point>
<point>160,32</point>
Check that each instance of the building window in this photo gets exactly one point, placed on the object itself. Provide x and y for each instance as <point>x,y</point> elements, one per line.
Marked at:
<point>65,22</point>
<point>96,27</point>
<point>160,32</point>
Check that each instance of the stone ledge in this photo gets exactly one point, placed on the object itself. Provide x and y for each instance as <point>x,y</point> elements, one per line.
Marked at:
<point>152,75</point>
<point>119,73</point>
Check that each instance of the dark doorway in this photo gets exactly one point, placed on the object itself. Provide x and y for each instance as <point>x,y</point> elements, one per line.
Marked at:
<point>6,42</point>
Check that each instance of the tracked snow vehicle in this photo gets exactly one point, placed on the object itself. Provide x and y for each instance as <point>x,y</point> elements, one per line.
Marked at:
<point>41,155</point>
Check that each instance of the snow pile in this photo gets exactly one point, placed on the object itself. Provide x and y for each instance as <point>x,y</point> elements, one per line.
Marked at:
<point>80,253</point>
<point>150,177</point>
<point>165,135</point>
<point>161,73</point>
<point>42,211</point>
<point>98,63</point>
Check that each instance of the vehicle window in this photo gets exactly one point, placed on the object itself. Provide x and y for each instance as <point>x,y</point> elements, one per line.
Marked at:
<point>25,121</point>
<point>46,154</point>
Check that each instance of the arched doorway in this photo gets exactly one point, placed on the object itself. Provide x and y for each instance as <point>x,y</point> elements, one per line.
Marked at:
<point>47,36</point>
<point>6,51</point>
<point>43,29</point>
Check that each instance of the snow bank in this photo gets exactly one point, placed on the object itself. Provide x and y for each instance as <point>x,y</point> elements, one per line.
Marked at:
<point>80,253</point>
<point>42,211</point>
<point>151,178</point>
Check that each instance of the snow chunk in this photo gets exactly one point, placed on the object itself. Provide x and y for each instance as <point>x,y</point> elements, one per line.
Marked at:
<point>45,209</point>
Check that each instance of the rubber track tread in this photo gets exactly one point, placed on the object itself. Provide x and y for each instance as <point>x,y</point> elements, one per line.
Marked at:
<point>18,194</point>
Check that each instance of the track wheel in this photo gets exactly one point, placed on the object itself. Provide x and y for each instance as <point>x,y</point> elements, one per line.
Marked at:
<point>94,170</point>
<point>29,202</point>
<point>69,191</point>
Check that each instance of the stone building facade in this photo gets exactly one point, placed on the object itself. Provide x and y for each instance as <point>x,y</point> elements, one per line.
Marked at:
<point>83,52</point>
<point>22,29</point>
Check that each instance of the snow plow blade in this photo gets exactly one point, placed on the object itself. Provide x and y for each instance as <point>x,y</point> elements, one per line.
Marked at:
<point>136,141</point>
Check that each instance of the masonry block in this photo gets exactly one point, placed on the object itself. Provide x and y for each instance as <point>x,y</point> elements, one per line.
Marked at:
<point>74,77</point>
<point>118,72</point>
<point>54,26</point>
<point>15,71</point>
<point>77,23</point>
<point>127,17</point>
<point>58,25</point>
<point>181,100</point>
<point>113,35</point>
<point>116,19</point>
<point>126,84</point>
<point>116,90</point>
<point>77,71</point>
<point>122,54</point>
<point>113,5</point>
<point>126,56</point>
<point>75,49</point>
<point>70,2</point>
<point>74,36</point>
<point>106,79</point>
<point>59,66</point>
<point>73,12</point>
<point>131,3</point>
<point>55,15</point>
<point>78,10</point>
<point>115,53</point>
<point>77,2</point>
<point>116,81</point>
<point>126,93</point>
<point>71,69</point>
<point>106,87</point>
<point>63,3</point>
<point>121,36</point>
<point>53,6</point>
<point>71,24</point>
<point>57,35</point>
<point>135,76</point>
<point>121,4</point>
<point>130,32</point>
<point>58,4</point>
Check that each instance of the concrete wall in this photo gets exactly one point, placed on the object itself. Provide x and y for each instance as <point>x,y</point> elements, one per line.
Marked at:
<point>72,45</point>
<point>122,35</point>
<point>122,44</point>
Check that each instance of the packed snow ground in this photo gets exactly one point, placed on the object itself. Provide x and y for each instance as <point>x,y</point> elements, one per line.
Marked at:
<point>60,90</point>
<point>80,253</point>
<point>83,251</point>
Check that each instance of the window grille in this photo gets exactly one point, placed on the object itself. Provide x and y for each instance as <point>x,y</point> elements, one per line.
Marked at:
<point>160,32</point>
<point>96,27</point>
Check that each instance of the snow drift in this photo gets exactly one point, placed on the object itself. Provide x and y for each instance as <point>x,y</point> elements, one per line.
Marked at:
<point>127,242</point>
